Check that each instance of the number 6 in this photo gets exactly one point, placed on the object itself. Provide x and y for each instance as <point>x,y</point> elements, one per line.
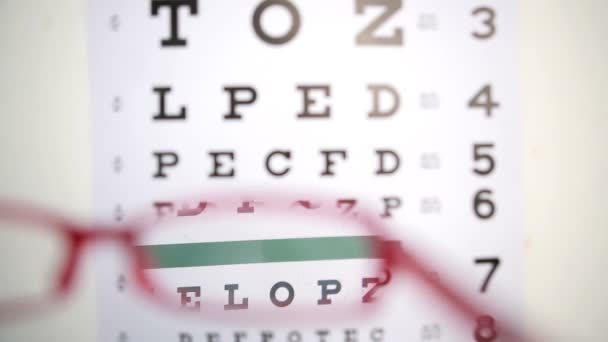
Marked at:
<point>485,201</point>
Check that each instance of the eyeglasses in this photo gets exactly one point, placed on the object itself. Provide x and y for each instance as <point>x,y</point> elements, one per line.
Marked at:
<point>238,257</point>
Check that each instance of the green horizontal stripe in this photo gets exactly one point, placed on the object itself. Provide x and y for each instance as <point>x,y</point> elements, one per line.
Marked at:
<point>259,251</point>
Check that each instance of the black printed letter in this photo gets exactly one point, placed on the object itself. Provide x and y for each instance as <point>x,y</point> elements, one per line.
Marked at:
<point>350,335</point>
<point>290,294</point>
<point>322,335</point>
<point>185,298</point>
<point>185,337</point>
<point>162,114</point>
<point>377,335</point>
<point>369,296</point>
<point>174,5</point>
<point>381,165</point>
<point>376,90</point>
<point>213,337</point>
<point>390,203</point>
<point>273,172</point>
<point>294,336</point>
<point>164,159</point>
<point>293,30</point>
<point>326,291</point>
<point>366,36</point>
<point>238,335</point>
<point>329,162</point>
<point>234,101</point>
<point>308,102</point>
<point>163,208</point>
<point>231,288</point>
<point>267,336</point>
<point>217,164</point>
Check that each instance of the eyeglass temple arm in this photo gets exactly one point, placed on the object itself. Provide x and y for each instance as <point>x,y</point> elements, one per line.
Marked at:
<point>401,259</point>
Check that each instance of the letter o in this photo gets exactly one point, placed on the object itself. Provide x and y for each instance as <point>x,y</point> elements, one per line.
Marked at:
<point>377,335</point>
<point>257,22</point>
<point>294,336</point>
<point>273,293</point>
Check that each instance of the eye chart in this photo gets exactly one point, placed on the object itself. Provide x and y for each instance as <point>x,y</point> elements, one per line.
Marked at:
<point>411,106</point>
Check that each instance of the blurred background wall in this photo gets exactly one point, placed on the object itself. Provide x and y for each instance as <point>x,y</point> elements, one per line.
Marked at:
<point>45,152</point>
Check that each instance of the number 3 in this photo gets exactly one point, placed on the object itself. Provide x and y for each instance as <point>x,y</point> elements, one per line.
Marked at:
<point>488,22</point>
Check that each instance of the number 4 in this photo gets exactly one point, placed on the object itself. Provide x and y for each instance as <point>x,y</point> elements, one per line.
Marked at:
<point>483,99</point>
<point>494,262</point>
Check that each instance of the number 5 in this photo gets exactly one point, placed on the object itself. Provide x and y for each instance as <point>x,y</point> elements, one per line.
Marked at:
<point>478,155</point>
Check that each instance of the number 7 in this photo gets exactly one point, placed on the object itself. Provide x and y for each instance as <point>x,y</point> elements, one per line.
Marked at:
<point>495,262</point>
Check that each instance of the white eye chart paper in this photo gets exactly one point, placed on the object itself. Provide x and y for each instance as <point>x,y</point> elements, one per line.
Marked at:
<point>409,106</point>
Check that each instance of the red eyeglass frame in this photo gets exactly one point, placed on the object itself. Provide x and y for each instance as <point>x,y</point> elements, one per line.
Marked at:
<point>79,236</point>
